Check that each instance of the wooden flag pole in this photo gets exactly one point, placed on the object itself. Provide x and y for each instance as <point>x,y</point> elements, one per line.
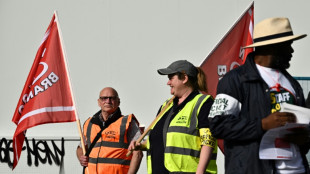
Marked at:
<point>76,114</point>
<point>65,59</point>
<point>152,124</point>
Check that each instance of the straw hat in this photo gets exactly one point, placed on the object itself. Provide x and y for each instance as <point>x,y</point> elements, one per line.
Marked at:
<point>273,30</point>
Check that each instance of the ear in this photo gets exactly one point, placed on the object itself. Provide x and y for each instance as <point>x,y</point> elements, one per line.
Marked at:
<point>98,102</point>
<point>185,80</point>
<point>119,102</point>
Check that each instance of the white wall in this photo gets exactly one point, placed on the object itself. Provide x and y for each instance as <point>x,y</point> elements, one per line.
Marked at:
<point>122,44</point>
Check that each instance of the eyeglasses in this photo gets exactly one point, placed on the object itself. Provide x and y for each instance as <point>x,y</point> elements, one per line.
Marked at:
<point>106,98</point>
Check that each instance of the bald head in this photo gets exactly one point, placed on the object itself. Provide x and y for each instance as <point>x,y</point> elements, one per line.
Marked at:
<point>109,89</point>
<point>108,100</point>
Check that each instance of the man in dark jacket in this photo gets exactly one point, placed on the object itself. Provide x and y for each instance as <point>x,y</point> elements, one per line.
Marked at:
<point>248,100</point>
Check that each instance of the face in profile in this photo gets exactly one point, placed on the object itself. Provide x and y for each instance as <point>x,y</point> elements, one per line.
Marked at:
<point>176,84</point>
<point>281,55</point>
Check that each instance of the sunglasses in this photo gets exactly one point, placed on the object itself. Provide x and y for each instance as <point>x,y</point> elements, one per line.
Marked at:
<point>106,98</point>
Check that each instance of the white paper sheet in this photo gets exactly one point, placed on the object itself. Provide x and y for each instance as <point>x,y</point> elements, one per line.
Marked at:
<point>273,146</point>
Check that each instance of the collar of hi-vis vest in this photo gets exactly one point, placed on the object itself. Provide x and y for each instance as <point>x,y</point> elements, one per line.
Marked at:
<point>175,110</point>
<point>95,120</point>
<point>114,116</point>
<point>189,98</point>
<point>183,129</point>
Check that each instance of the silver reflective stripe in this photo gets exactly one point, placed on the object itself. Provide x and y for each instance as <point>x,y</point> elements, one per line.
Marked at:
<point>109,161</point>
<point>185,130</point>
<point>195,112</point>
<point>183,151</point>
<point>192,129</point>
<point>123,129</point>
<point>112,144</point>
<point>88,133</point>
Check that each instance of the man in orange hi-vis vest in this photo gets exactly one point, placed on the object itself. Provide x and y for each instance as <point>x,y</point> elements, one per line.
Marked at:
<point>108,134</point>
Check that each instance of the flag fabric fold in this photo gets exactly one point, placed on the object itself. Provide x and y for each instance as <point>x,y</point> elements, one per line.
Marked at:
<point>229,53</point>
<point>47,96</point>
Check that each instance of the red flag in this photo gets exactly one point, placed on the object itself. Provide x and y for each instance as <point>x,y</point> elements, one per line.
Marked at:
<point>47,95</point>
<point>228,53</point>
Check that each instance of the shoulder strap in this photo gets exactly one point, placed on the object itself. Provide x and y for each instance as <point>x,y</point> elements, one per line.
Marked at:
<point>103,127</point>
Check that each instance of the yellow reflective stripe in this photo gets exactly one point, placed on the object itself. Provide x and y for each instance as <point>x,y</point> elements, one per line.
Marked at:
<point>149,164</point>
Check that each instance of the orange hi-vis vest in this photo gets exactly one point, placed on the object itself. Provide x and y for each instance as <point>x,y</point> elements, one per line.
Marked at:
<point>109,153</point>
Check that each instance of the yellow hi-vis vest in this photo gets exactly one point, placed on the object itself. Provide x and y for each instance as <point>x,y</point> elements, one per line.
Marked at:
<point>182,141</point>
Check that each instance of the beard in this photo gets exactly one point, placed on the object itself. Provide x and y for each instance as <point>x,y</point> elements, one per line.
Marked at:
<point>281,62</point>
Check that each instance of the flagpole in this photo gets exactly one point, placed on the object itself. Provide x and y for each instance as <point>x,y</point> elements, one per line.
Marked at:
<point>65,59</point>
<point>152,124</point>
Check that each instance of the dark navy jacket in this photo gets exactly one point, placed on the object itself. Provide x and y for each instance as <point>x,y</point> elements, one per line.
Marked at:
<point>243,99</point>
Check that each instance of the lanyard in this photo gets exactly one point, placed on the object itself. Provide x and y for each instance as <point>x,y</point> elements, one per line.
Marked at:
<point>277,85</point>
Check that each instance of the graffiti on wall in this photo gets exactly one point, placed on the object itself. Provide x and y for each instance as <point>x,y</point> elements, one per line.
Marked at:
<point>38,151</point>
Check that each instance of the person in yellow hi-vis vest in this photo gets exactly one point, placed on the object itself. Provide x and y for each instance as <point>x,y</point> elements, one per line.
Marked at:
<point>180,140</point>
